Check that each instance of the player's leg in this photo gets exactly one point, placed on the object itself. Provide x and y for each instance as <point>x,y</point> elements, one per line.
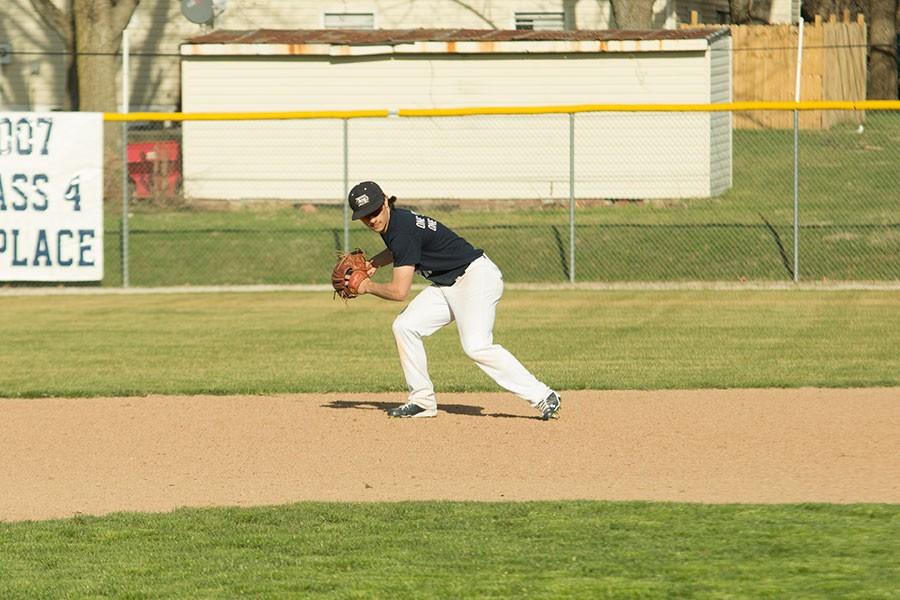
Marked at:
<point>473,300</point>
<point>427,313</point>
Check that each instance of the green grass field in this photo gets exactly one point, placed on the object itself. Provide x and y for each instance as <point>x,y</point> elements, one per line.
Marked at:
<point>461,550</point>
<point>262,343</point>
<point>849,226</point>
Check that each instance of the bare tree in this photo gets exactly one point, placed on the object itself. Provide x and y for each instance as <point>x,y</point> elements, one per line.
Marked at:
<point>745,12</point>
<point>883,50</point>
<point>91,31</point>
<point>810,8</point>
<point>632,14</point>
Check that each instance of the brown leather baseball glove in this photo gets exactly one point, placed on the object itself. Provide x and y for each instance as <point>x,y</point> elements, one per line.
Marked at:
<point>348,273</point>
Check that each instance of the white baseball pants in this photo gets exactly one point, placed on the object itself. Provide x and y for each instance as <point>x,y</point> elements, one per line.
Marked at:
<point>472,302</point>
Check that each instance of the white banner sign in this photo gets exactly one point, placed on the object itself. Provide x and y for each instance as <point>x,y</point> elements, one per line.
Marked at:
<point>51,196</point>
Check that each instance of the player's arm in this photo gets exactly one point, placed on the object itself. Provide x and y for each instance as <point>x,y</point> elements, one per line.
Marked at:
<point>396,290</point>
<point>382,258</point>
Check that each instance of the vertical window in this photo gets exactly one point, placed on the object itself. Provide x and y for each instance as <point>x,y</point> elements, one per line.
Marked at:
<point>349,21</point>
<point>541,21</point>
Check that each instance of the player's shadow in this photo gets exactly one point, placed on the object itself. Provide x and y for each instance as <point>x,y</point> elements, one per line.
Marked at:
<point>453,409</point>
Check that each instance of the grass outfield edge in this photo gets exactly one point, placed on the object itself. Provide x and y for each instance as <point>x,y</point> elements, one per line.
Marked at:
<point>600,550</point>
<point>827,286</point>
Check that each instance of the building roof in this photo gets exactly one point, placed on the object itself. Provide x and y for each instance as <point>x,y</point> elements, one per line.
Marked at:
<point>348,42</point>
<point>406,36</point>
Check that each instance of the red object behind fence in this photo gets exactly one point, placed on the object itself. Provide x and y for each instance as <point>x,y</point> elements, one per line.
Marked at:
<point>155,168</point>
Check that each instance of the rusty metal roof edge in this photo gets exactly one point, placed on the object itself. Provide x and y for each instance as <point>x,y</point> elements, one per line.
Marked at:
<point>263,43</point>
<point>407,36</point>
<point>435,48</point>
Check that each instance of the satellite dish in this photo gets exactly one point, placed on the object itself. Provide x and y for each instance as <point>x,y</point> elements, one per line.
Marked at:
<point>197,11</point>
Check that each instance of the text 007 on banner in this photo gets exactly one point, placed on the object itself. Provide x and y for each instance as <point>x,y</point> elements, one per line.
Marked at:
<point>51,196</point>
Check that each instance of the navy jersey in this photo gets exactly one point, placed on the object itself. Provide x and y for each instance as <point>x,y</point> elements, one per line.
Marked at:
<point>437,253</point>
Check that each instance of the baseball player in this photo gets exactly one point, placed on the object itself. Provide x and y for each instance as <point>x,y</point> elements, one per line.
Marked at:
<point>465,286</point>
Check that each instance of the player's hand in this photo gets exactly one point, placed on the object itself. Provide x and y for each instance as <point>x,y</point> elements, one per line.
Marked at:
<point>350,270</point>
<point>370,268</point>
<point>363,286</point>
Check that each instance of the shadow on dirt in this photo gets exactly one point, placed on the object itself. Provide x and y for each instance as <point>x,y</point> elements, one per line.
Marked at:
<point>453,409</point>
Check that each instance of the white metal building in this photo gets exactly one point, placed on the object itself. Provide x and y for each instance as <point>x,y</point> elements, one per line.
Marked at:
<point>617,155</point>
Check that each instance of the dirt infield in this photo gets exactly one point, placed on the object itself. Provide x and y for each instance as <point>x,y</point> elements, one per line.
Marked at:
<point>61,457</point>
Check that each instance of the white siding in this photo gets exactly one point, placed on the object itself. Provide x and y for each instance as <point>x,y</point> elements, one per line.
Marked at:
<point>263,159</point>
<point>30,81</point>
<point>720,167</point>
<point>784,11</point>
<point>617,155</point>
<point>313,83</point>
<point>642,155</point>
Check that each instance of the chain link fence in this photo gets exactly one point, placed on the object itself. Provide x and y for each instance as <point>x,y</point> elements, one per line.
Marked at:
<point>552,198</point>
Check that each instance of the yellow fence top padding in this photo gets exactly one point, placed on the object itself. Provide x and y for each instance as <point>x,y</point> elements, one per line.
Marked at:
<point>721,107</point>
<point>244,116</point>
<point>509,110</point>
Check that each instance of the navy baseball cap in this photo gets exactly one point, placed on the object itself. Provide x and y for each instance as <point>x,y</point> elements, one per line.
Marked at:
<point>365,199</point>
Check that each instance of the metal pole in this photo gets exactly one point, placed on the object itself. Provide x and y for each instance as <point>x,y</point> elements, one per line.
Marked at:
<point>125,102</point>
<point>796,197</point>
<point>572,197</point>
<point>797,156</point>
<point>346,187</point>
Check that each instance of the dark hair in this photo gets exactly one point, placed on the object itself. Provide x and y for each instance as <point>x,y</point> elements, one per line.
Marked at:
<point>391,201</point>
